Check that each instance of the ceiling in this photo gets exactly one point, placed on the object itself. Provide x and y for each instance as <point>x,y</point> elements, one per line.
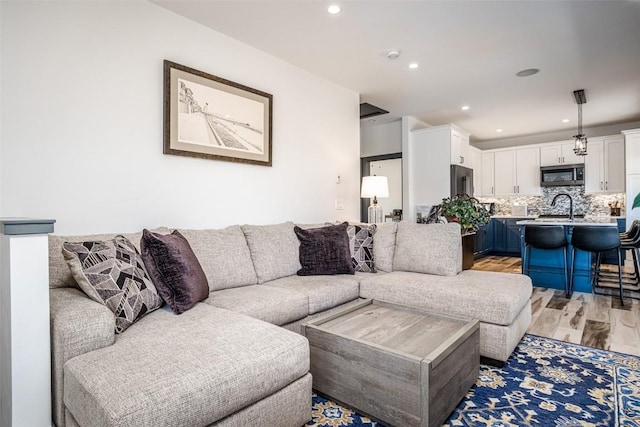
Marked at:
<point>468,54</point>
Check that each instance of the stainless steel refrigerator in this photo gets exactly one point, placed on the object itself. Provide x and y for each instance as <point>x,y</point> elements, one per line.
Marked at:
<point>461,180</point>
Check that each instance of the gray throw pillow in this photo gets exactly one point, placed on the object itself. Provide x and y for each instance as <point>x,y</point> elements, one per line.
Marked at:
<point>112,273</point>
<point>324,250</point>
<point>174,269</point>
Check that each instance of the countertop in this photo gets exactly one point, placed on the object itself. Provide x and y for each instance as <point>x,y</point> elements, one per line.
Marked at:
<point>587,221</point>
<point>536,216</point>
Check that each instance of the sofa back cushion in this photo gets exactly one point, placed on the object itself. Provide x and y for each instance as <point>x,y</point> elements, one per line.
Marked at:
<point>428,248</point>
<point>224,257</point>
<point>59,274</point>
<point>274,250</point>
<point>384,244</point>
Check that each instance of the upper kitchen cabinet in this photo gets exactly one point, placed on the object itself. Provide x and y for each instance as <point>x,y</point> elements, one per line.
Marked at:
<point>632,150</point>
<point>517,172</point>
<point>475,155</point>
<point>604,169</point>
<point>460,150</point>
<point>559,154</point>
<point>449,138</point>
<point>487,170</point>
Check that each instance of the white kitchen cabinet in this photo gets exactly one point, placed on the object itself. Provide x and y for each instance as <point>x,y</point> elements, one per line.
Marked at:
<point>632,151</point>
<point>528,171</point>
<point>559,154</point>
<point>460,150</point>
<point>487,181</point>
<point>475,155</point>
<point>450,139</point>
<point>505,172</point>
<point>517,172</point>
<point>604,170</point>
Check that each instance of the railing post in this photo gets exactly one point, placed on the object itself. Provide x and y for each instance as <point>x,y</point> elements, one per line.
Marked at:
<point>25,359</point>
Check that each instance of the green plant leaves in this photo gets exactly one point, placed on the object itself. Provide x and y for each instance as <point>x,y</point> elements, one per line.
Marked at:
<point>636,202</point>
<point>465,210</point>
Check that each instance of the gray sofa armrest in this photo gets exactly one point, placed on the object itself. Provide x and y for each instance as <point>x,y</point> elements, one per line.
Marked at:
<point>78,325</point>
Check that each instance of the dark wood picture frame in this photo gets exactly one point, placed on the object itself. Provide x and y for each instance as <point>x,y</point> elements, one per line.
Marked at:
<point>209,117</point>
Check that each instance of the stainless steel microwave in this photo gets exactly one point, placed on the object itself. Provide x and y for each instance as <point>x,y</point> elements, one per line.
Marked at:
<point>555,176</point>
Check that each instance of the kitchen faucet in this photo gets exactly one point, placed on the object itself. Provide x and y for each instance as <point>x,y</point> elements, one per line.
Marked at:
<point>553,203</point>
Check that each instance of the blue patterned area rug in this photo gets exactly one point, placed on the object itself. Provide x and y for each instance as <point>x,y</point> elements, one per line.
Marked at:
<point>544,383</point>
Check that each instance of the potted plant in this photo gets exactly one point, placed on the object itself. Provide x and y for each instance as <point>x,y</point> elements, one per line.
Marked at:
<point>469,213</point>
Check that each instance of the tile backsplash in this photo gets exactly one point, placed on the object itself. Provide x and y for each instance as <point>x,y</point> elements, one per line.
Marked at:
<point>589,204</point>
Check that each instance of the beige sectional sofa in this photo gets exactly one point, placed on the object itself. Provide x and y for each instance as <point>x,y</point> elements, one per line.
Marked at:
<point>236,358</point>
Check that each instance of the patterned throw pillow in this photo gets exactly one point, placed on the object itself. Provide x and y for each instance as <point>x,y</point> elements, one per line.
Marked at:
<point>112,273</point>
<point>324,250</point>
<point>361,247</point>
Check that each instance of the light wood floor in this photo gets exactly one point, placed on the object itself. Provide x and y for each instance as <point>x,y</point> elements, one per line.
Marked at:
<point>592,320</point>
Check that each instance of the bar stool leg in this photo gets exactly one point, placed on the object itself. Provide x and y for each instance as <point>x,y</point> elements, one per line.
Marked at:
<point>596,276</point>
<point>567,285</point>
<point>573,269</point>
<point>620,278</point>
<point>634,255</point>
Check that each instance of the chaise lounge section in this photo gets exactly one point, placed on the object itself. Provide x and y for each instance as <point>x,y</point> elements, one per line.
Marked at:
<point>239,351</point>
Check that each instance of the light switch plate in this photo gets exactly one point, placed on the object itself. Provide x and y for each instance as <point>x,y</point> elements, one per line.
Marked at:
<point>339,204</point>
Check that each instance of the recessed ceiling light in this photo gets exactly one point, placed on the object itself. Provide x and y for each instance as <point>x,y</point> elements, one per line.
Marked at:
<point>465,108</point>
<point>498,130</point>
<point>413,65</point>
<point>528,72</point>
<point>393,54</point>
<point>565,120</point>
<point>334,9</point>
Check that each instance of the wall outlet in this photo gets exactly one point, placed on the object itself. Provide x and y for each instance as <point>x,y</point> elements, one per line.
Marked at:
<point>339,204</point>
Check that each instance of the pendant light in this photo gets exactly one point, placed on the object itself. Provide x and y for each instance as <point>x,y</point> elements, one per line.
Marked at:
<point>580,143</point>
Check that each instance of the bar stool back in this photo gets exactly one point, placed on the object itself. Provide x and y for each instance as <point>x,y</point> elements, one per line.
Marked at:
<point>597,239</point>
<point>546,237</point>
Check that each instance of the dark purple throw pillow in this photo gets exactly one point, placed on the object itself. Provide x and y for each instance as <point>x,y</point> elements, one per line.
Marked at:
<point>174,269</point>
<point>324,250</point>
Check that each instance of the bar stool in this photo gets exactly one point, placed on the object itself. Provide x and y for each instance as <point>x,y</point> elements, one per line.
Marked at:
<point>546,237</point>
<point>597,239</point>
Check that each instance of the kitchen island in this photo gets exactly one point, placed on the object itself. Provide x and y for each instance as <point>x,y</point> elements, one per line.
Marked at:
<point>546,266</point>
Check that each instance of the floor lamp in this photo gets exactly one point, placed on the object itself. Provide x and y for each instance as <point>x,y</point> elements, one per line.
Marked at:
<point>375,186</point>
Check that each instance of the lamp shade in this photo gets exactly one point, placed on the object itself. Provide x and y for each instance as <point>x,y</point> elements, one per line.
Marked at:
<point>375,186</point>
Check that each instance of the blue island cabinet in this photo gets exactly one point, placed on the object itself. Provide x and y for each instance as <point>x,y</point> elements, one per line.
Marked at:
<point>546,267</point>
<point>506,236</point>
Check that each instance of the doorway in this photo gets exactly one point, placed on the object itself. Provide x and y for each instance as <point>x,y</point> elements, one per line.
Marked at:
<point>389,165</point>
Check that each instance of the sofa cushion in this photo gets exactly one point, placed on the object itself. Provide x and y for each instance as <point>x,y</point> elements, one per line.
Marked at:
<point>224,256</point>
<point>324,292</point>
<point>324,250</point>
<point>188,370</point>
<point>273,305</point>
<point>484,295</point>
<point>428,248</point>
<point>174,269</point>
<point>59,274</point>
<point>274,250</point>
<point>384,244</point>
<point>361,246</point>
<point>111,272</point>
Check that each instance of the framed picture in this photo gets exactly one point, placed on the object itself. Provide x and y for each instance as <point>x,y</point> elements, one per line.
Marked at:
<point>209,117</point>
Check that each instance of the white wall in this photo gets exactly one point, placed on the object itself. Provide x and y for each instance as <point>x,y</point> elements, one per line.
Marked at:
<point>381,139</point>
<point>82,125</point>
<point>410,164</point>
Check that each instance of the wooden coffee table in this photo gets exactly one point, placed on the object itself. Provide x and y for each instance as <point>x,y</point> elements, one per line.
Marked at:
<point>403,366</point>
